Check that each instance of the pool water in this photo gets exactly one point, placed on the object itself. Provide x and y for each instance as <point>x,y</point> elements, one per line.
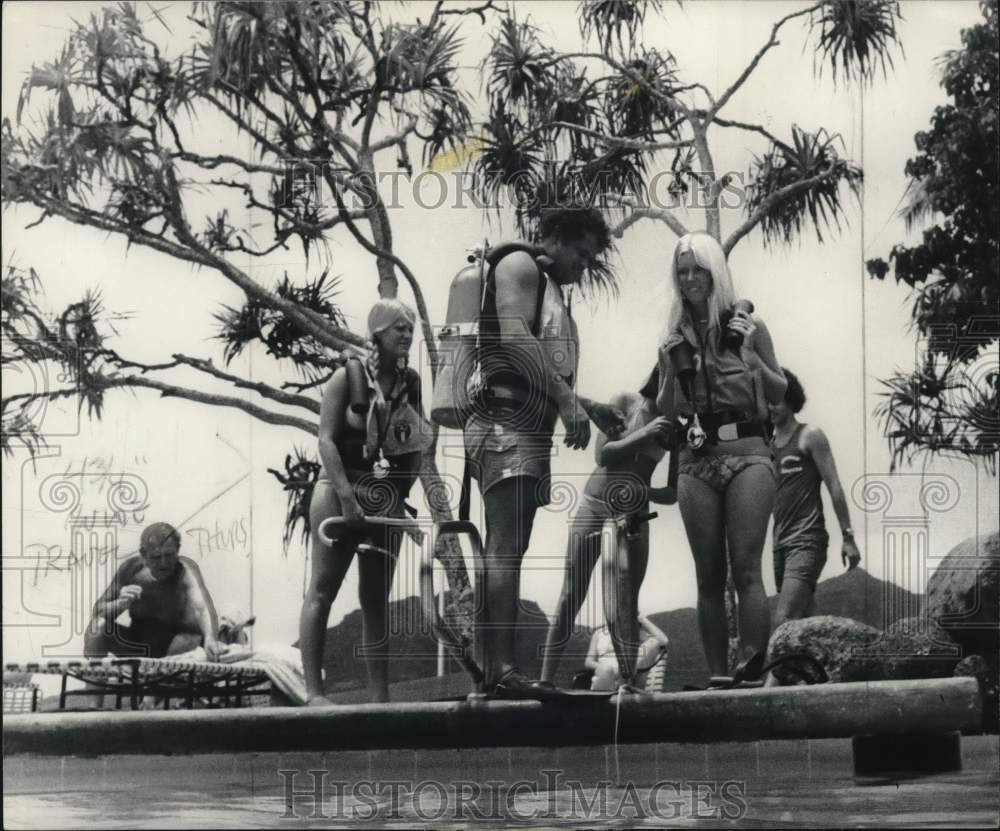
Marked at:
<point>748,785</point>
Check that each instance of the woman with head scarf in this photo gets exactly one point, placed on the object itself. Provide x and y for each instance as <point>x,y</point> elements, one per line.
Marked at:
<point>371,435</point>
<point>718,371</point>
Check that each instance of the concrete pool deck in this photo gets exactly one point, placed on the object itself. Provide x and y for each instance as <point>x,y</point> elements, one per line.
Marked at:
<point>823,711</point>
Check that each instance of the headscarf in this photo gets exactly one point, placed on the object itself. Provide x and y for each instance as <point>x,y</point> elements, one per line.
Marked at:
<point>385,313</point>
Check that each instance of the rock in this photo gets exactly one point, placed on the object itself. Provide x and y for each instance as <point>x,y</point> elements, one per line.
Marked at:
<point>851,651</point>
<point>976,666</point>
<point>915,648</point>
<point>963,597</point>
<point>973,666</point>
<point>832,641</point>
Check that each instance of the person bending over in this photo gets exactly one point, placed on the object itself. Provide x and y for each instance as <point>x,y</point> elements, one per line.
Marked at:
<point>170,608</point>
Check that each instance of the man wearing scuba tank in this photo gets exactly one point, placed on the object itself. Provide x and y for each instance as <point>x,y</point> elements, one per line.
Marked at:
<point>719,371</point>
<point>528,359</point>
<point>371,435</point>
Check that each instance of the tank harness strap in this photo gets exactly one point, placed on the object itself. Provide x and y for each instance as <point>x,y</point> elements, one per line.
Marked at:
<point>465,496</point>
<point>489,329</point>
<point>488,315</point>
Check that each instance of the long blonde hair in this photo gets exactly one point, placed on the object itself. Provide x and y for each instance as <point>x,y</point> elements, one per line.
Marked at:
<point>707,254</point>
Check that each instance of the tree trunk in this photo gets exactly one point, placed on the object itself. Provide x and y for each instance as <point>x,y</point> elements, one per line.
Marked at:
<point>448,551</point>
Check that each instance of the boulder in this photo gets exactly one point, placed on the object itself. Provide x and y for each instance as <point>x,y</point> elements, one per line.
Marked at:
<point>839,644</point>
<point>973,666</point>
<point>914,647</point>
<point>963,597</point>
<point>852,651</point>
<point>976,666</point>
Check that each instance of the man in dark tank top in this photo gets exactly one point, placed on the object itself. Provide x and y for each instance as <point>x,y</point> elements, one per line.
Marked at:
<point>803,460</point>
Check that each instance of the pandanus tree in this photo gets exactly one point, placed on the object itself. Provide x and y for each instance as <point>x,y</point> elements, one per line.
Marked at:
<point>325,96</point>
<point>318,95</point>
<point>603,124</point>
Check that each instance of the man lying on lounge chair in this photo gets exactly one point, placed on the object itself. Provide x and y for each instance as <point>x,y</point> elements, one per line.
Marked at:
<point>171,611</point>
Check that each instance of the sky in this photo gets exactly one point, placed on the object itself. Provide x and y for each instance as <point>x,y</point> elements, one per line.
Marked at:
<point>206,469</point>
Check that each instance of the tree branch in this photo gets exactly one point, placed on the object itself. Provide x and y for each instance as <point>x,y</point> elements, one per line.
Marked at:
<point>771,42</point>
<point>172,391</point>
<point>712,218</point>
<point>262,389</point>
<point>752,128</point>
<point>661,214</point>
<point>395,139</point>
<point>769,204</point>
<point>302,386</point>
<point>80,215</point>
<point>295,223</point>
<point>207,366</point>
<point>621,141</point>
<point>696,85</point>
<point>212,162</point>
<point>480,11</point>
<point>190,250</point>
<point>314,324</point>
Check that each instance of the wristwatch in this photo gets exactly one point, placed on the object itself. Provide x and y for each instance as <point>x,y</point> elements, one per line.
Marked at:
<point>847,533</point>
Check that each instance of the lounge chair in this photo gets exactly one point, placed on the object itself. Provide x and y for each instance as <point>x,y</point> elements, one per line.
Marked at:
<point>134,679</point>
<point>19,697</point>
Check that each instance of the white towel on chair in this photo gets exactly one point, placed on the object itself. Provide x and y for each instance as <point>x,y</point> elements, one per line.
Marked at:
<point>283,665</point>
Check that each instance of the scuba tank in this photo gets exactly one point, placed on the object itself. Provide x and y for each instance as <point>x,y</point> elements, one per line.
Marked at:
<point>459,380</point>
<point>450,405</point>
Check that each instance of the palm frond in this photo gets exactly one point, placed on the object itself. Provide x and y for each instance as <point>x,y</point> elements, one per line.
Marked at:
<point>517,64</point>
<point>810,156</point>
<point>573,99</point>
<point>55,76</point>
<point>420,57</point>
<point>298,481</point>
<point>917,207</point>
<point>615,21</point>
<point>283,339</point>
<point>510,157</point>
<point>242,50</point>
<point>635,103</point>
<point>856,36</point>
<point>944,407</point>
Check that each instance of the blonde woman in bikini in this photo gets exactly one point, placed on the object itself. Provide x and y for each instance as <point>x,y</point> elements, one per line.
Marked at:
<point>726,484</point>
